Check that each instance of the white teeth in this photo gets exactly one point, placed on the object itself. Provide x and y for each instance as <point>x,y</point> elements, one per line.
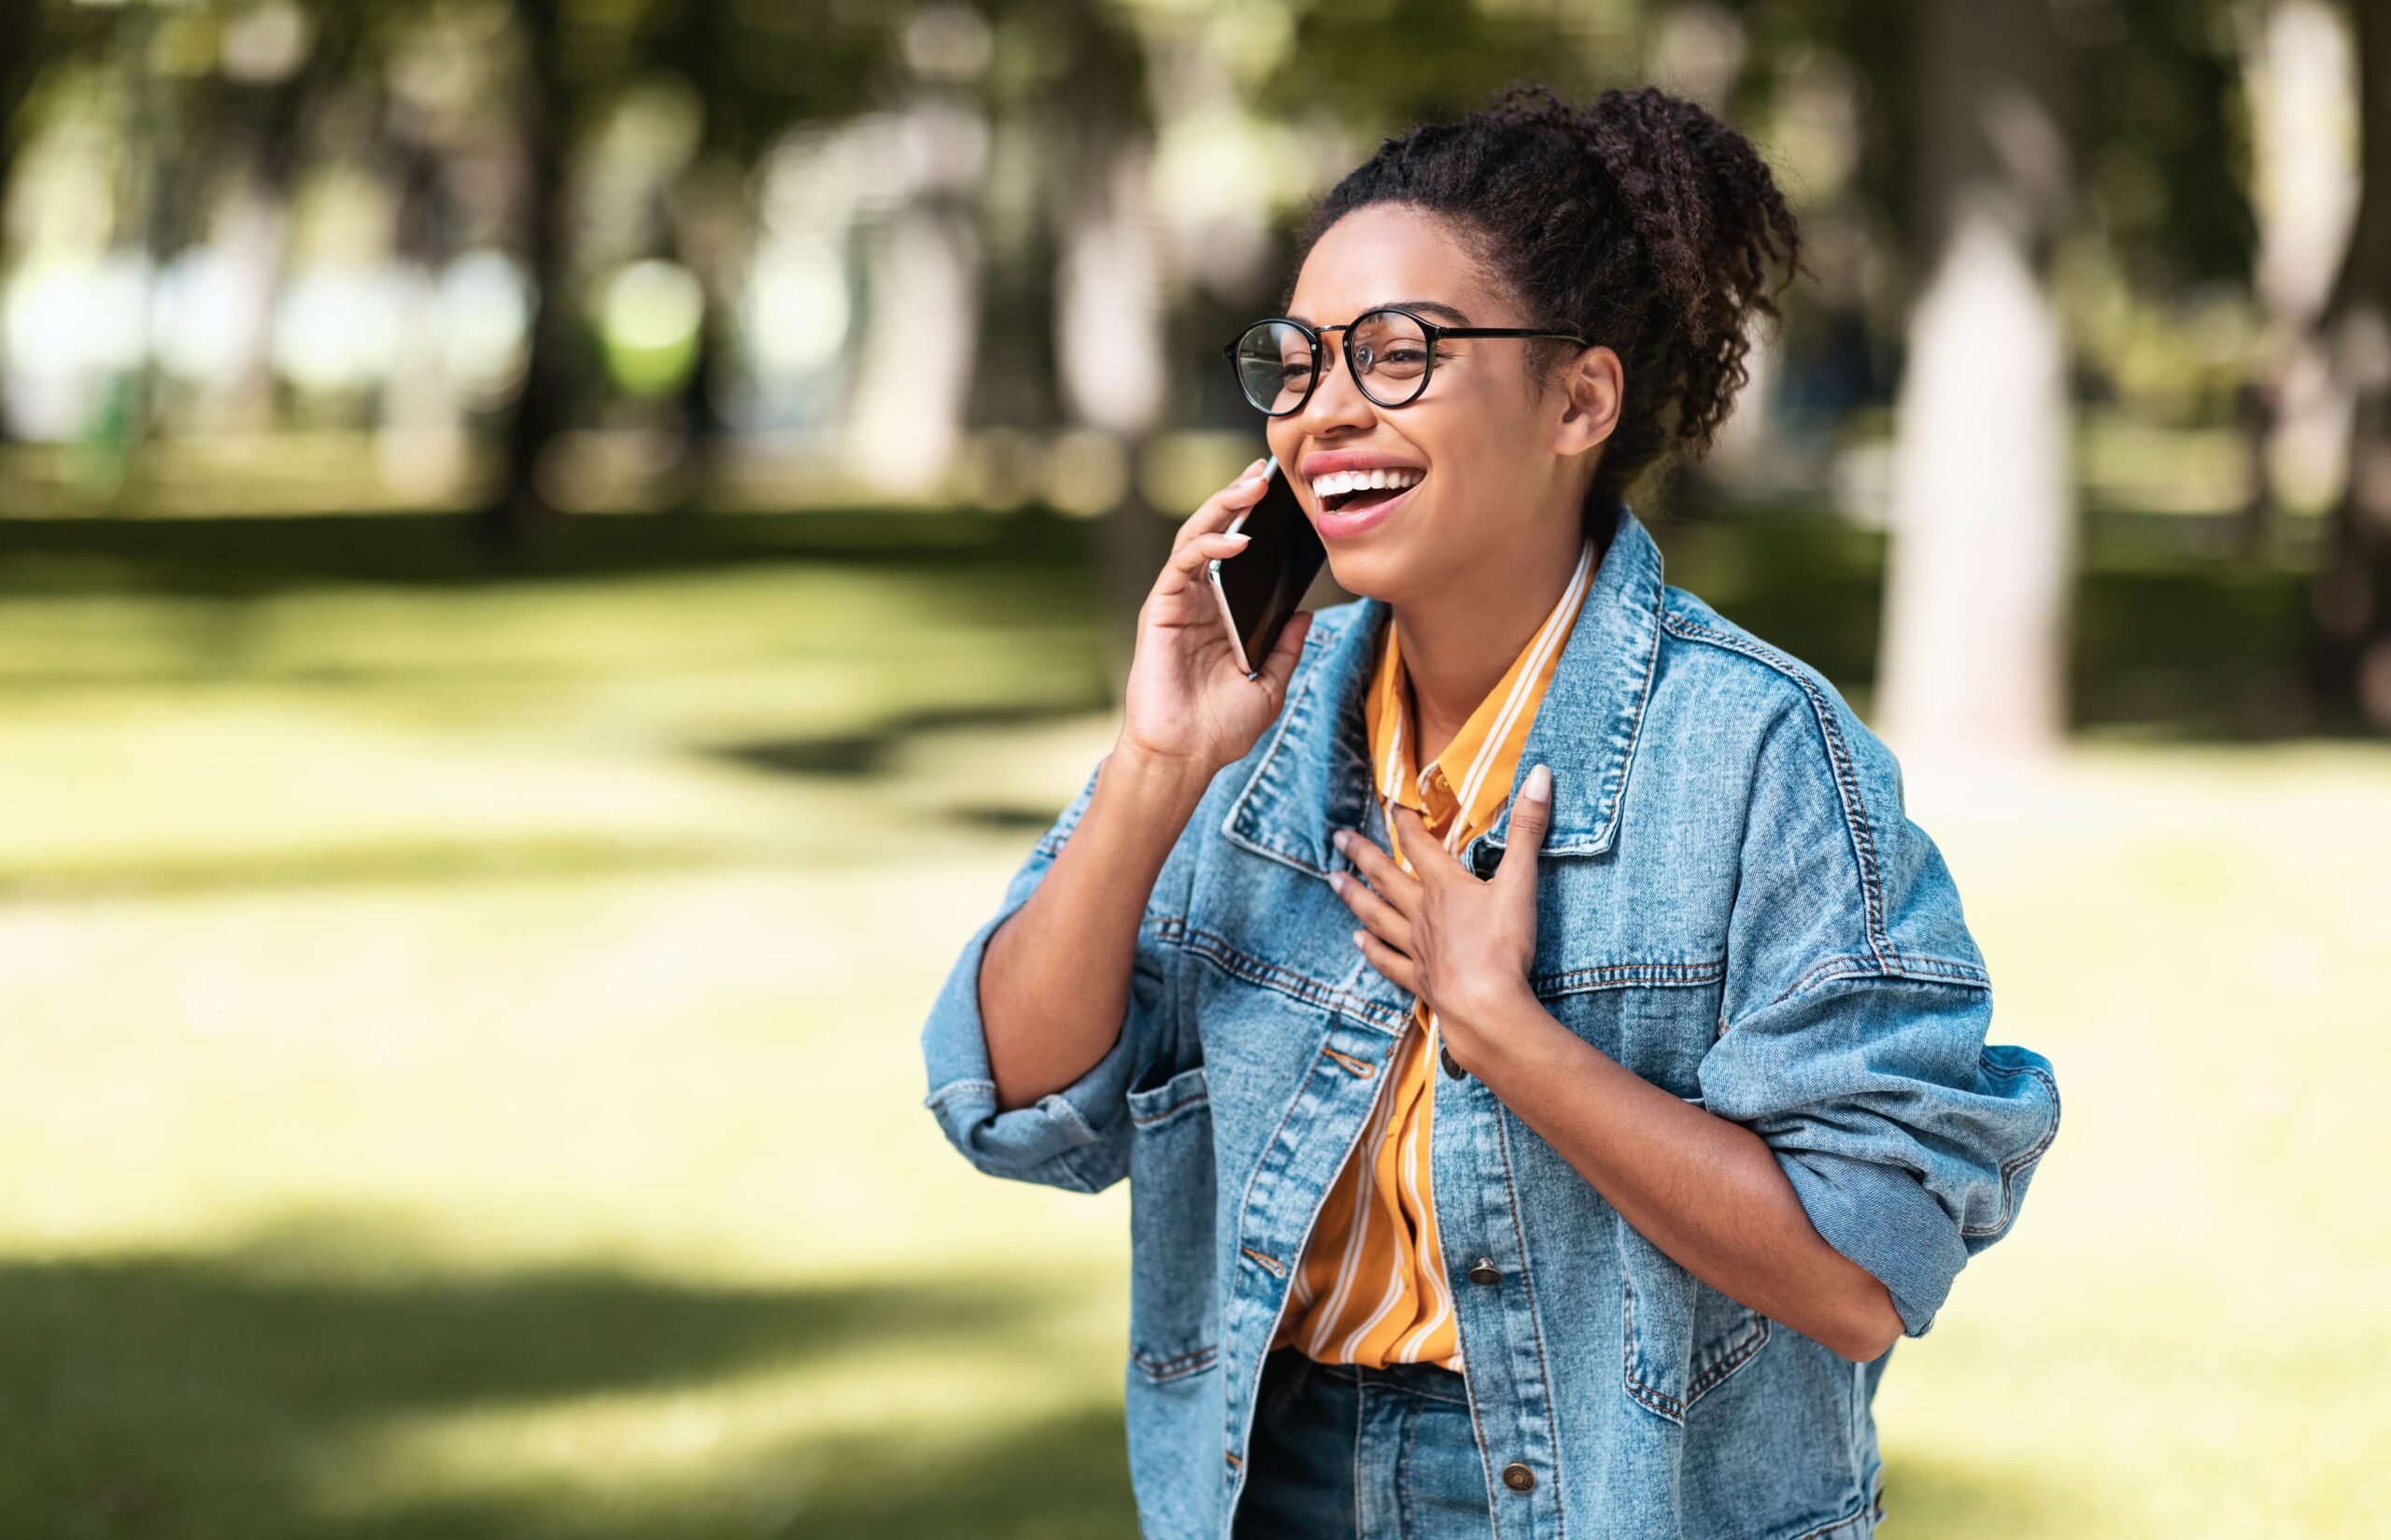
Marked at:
<point>1356,481</point>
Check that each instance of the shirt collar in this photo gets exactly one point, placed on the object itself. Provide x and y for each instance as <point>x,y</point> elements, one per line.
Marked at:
<point>1467,779</point>
<point>1314,775</point>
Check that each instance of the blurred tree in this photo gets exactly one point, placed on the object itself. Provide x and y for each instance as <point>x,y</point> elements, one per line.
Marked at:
<point>511,519</point>
<point>1974,654</point>
<point>2352,596</point>
<point>755,67</point>
<point>22,31</point>
<point>929,146</point>
<point>2302,110</point>
<point>1108,304</point>
<point>268,98</point>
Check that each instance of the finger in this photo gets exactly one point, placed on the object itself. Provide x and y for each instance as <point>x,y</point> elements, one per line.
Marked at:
<point>1278,665</point>
<point>1393,883</point>
<point>1400,967</point>
<point>1216,512</point>
<point>1383,918</point>
<point>1188,560</point>
<point>1530,819</point>
<point>1427,852</point>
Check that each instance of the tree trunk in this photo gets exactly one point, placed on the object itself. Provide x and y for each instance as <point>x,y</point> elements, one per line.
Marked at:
<point>517,514</point>
<point>2352,595</point>
<point>2296,64</point>
<point>1110,309</point>
<point>18,64</point>
<point>1981,560</point>
<point>905,417</point>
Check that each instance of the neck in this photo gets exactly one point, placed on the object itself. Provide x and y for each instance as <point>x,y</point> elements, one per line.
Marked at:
<point>1458,641</point>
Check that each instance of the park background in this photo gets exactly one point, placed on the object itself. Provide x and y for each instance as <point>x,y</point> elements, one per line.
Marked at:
<point>553,556</point>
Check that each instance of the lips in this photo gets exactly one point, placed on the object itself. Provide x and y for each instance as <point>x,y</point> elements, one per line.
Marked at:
<point>1343,523</point>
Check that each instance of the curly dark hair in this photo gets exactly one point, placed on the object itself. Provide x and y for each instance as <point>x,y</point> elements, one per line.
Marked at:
<point>1641,222</point>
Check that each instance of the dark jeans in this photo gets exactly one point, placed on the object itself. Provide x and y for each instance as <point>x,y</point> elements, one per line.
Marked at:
<point>1378,1454</point>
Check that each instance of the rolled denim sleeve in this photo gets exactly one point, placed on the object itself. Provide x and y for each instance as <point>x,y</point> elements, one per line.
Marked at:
<point>1077,1138</point>
<point>1852,1032</point>
<point>1909,1140</point>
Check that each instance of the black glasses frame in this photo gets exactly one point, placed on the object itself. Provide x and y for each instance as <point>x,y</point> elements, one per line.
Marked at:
<point>1431,329</point>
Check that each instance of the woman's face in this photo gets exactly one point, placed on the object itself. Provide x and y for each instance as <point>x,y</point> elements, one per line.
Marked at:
<point>1495,459</point>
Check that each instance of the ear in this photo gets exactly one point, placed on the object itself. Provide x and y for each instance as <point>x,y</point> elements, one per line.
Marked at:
<point>1593,388</point>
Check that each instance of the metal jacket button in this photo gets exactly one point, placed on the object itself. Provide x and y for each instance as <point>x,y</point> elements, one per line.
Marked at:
<point>1484,1271</point>
<point>1518,1476</point>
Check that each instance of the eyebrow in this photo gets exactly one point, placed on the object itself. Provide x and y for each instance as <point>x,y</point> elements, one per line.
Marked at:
<point>1427,307</point>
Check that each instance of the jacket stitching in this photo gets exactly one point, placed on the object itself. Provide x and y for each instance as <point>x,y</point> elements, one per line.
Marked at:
<point>1535,1326</point>
<point>1244,1206</point>
<point>1834,1524</point>
<point>1604,975</point>
<point>1658,1400</point>
<point>1917,968</point>
<point>2019,1162</point>
<point>1653,609</point>
<point>1201,1098</point>
<point>1735,1357</point>
<point>1847,785</point>
<point>1286,981</point>
<point>1174,1368</point>
<point>1298,701</point>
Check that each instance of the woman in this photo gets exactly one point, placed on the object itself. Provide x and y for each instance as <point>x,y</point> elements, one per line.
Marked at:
<point>1578,1192</point>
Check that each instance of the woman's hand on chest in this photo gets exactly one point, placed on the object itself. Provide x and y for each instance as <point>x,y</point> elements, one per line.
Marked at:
<point>1462,944</point>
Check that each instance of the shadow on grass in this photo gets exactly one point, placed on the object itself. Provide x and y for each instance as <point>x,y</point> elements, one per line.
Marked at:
<point>174,1396</point>
<point>1929,1499</point>
<point>862,755</point>
<point>234,557</point>
<point>1063,1477</point>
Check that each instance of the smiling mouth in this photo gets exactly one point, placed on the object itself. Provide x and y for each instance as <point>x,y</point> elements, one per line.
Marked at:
<point>1367,497</point>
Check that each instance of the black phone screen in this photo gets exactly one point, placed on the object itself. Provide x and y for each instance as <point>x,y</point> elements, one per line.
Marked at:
<point>1261,586</point>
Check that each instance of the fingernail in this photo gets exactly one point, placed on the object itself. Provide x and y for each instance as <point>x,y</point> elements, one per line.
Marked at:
<point>1337,880</point>
<point>1357,939</point>
<point>1540,785</point>
<point>1237,534</point>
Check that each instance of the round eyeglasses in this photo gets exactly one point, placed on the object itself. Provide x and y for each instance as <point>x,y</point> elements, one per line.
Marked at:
<point>1391,353</point>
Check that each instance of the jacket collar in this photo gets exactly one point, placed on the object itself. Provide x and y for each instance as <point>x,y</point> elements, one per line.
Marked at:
<point>1315,776</point>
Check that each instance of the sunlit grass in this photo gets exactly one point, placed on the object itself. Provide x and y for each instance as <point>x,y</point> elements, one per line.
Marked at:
<point>464,1080</point>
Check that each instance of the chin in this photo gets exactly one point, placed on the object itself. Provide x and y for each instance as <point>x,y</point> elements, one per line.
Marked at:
<point>1367,574</point>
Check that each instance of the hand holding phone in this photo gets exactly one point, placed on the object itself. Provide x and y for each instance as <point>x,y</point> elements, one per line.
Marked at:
<point>1259,588</point>
<point>1194,696</point>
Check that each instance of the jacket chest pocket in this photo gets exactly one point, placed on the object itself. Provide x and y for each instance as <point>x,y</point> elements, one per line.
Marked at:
<point>1174,1310</point>
<point>1659,1019</point>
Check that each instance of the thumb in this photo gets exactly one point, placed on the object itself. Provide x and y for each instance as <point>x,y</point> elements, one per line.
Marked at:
<point>1530,819</point>
<point>1281,661</point>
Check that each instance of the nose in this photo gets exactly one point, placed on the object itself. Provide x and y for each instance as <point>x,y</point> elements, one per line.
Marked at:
<point>1336,398</point>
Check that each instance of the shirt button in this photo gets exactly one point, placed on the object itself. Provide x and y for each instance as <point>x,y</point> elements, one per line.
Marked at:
<point>1518,1476</point>
<point>1484,1271</point>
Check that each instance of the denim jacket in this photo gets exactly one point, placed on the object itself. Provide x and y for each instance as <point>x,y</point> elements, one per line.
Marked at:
<point>1731,902</point>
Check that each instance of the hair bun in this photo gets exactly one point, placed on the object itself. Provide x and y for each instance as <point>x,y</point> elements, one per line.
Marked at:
<point>1641,222</point>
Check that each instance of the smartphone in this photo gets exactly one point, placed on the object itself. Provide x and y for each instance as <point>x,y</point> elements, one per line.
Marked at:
<point>1261,588</point>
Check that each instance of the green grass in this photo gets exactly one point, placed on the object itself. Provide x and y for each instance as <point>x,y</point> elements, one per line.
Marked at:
<point>464,1078</point>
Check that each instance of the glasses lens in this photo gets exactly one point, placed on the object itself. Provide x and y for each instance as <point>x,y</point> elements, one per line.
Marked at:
<point>1274,365</point>
<point>1391,353</point>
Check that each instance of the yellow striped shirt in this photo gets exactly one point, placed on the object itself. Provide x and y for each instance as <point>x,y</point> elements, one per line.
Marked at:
<point>1371,1287</point>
